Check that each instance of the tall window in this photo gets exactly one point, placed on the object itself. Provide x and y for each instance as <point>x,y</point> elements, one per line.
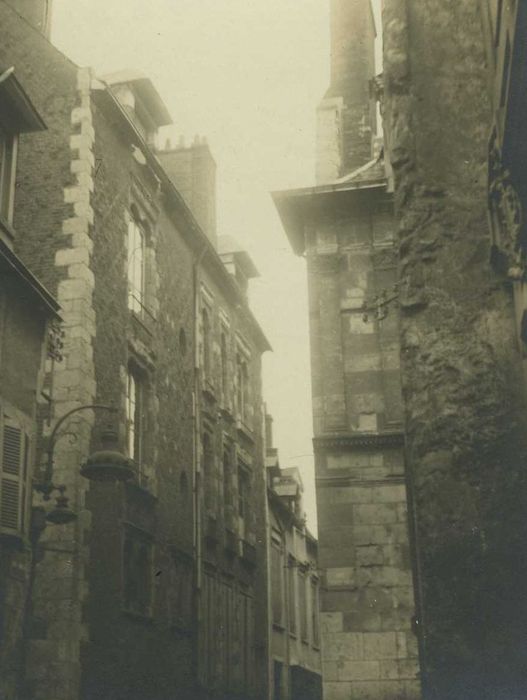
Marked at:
<point>205,323</point>
<point>291,594</point>
<point>277,578</point>
<point>302,605</point>
<point>227,479</point>
<point>224,368</point>
<point>208,472</point>
<point>243,500</point>
<point>135,398</point>
<point>242,382</point>
<point>136,266</point>
<point>137,573</point>
<point>314,613</point>
<point>8,143</point>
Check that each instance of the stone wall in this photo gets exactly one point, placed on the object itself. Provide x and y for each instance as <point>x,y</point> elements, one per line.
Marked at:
<point>460,359</point>
<point>369,647</point>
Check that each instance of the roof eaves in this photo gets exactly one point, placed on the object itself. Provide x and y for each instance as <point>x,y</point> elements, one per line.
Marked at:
<point>12,261</point>
<point>13,95</point>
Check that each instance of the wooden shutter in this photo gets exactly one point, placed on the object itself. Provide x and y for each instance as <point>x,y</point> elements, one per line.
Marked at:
<point>12,475</point>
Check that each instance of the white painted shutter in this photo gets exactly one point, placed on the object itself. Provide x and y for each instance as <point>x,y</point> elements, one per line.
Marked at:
<point>12,474</point>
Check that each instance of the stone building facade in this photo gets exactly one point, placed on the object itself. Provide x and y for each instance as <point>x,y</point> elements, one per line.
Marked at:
<point>294,621</point>
<point>128,599</point>
<point>28,313</point>
<point>345,229</point>
<point>460,351</point>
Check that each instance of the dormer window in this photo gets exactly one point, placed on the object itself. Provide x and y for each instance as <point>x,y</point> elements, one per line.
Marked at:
<point>8,144</point>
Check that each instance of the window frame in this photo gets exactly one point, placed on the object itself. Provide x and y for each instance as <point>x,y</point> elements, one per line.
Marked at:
<point>302,605</point>
<point>136,380</point>
<point>291,595</point>
<point>277,581</point>
<point>206,340</point>
<point>208,472</point>
<point>136,292</point>
<point>244,497</point>
<point>8,174</point>
<point>315,613</point>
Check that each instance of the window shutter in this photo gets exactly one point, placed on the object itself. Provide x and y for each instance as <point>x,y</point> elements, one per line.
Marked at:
<point>12,469</point>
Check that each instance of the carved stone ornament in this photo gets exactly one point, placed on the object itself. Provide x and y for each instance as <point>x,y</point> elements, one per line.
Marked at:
<point>506,213</point>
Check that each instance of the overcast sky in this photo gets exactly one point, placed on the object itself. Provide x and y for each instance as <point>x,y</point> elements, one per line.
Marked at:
<point>248,75</point>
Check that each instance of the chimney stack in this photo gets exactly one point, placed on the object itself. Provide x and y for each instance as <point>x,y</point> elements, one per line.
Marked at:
<point>193,172</point>
<point>36,12</point>
<point>346,117</point>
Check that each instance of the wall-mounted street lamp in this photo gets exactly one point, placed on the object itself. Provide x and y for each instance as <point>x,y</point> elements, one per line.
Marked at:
<point>107,464</point>
<point>378,305</point>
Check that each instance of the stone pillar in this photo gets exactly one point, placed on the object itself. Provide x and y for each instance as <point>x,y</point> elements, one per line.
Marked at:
<point>60,585</point>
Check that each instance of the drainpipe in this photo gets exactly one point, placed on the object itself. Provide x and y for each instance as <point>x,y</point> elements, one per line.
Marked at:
<point>196,466</point>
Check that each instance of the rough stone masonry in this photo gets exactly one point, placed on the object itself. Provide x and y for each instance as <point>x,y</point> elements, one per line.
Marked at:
<point>461,374</point>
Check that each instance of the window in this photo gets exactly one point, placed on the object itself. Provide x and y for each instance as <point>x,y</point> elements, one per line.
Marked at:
<point>135,416</point>
<point>314,613</point>
<point>205,325</point>
<point>227,481</point>
<point>14,474</point>
<point>291,595</point>
<point>242,383</point>
<point>137,572</point>
<point>208,472</point>
<point>243,500</point>
<point>277,577</point>
<point>136,266</point>
<point>302,604</point>
<point>8,145</point>
<point>224,368</point>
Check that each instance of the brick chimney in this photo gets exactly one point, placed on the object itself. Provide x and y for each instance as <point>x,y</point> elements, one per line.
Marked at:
<point>346,117</point>
<point>36,12</point>
<point>192,170</point>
